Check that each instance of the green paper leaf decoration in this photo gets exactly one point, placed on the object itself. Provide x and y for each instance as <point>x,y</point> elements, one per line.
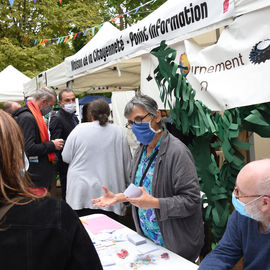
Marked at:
<point>209,129</point>
<point>242,145</point>
<point>256,118</point>
<point>215,216</point>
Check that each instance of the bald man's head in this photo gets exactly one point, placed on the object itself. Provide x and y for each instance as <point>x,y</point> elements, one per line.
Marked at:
<point>11,106</point>
<point>254,180</point>
<point>254,176</point>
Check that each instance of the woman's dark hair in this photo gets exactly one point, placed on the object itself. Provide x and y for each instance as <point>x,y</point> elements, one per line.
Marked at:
<point>13,182</point>
<point>85,113</point>
<point>99,109</point>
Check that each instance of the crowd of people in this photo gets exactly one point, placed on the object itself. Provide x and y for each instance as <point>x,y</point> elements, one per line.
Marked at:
<point>95,166</point>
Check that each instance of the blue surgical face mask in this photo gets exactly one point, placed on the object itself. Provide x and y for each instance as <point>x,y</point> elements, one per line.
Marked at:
<point>240,207</point>
<point>144,133</point>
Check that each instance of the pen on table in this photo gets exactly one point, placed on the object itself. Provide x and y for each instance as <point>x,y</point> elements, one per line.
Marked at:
<point>98,247</point>
<point>84,222</point>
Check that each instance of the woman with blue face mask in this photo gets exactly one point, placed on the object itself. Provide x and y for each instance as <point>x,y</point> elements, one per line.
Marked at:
<point>168,211</point>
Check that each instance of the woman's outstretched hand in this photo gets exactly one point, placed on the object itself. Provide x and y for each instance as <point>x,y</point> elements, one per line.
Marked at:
<point>108,199</point>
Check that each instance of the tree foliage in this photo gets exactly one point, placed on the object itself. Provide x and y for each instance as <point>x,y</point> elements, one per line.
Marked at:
<point>49,19</point>
<point>44,20</point>
<point>114,7</point>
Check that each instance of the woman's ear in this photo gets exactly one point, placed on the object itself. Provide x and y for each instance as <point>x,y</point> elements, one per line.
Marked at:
<point>158,116</point>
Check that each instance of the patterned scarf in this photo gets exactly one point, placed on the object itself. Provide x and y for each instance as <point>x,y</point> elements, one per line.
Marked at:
<point>43,131</point>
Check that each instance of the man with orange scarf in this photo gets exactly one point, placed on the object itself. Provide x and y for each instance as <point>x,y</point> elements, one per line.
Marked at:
<point>39,149</point>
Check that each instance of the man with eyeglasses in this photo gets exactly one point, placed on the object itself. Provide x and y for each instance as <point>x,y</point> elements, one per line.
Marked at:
<point>61,124</point>
<point>248,229</point>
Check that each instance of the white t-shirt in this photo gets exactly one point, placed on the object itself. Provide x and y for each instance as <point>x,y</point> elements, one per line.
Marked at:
<point>97,155</point>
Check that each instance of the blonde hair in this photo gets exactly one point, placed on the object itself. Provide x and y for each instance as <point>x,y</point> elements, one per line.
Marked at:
<point>13,182</point>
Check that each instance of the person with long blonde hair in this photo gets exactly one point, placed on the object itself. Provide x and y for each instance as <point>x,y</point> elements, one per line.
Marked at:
<point>36,231</point>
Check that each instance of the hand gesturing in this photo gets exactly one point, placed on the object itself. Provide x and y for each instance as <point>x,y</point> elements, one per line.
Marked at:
<point>108,199</point>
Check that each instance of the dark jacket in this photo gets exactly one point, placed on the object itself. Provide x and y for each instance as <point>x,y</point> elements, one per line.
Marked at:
<point>40,168</point>
<point>175,184</point>
<point>61,124</point>
<point>45,234</point>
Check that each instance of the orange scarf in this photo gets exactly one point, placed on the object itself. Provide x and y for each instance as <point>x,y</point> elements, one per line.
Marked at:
<point>43,131</point>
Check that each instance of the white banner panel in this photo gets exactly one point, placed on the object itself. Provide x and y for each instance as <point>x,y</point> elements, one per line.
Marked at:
<point>181,17</point>
<point>232,73</point>
<point>150,88</point>
<point>245,6</point>
<point>235,71</point>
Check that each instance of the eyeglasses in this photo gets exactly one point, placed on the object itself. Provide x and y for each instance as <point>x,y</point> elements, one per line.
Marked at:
<point>237,196</point>
<point>138,121</point>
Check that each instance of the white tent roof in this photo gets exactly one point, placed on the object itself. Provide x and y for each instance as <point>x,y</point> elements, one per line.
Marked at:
<point>11,81</point>
<point>123,68</point>
<point>126,73</point>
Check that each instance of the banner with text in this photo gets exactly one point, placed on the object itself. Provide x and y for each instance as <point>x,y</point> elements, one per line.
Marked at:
<point>235,71</point>
<point>171,20</point>
<point>232,73</point>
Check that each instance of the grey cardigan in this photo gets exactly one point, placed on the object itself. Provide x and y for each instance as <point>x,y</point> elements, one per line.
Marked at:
<point>175,184</point>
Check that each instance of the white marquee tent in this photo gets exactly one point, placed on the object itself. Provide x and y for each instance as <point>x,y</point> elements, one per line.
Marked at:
<point>124,73</point>
<point>11,82</point>
<point>99,64</point>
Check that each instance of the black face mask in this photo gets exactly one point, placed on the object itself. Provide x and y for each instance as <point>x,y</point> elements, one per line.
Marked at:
<point>45,111</point>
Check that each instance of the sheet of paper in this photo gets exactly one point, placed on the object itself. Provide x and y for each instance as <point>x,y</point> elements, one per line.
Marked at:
<point>101,223</point>
<point>133,191</point>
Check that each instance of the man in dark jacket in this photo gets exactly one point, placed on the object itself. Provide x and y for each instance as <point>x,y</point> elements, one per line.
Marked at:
<point>39,150</point>
<point>61,124</point>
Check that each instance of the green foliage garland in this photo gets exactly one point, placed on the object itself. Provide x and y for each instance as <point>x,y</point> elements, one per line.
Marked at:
<point>190,116</point>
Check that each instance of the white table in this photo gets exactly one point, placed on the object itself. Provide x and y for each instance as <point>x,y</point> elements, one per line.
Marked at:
<point>108,249</point>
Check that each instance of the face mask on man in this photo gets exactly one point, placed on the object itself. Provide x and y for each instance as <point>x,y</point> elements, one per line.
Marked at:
<point>45,111</point>
<point>240,207</point>
<point>70,108</point>
<point>144,132</point>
